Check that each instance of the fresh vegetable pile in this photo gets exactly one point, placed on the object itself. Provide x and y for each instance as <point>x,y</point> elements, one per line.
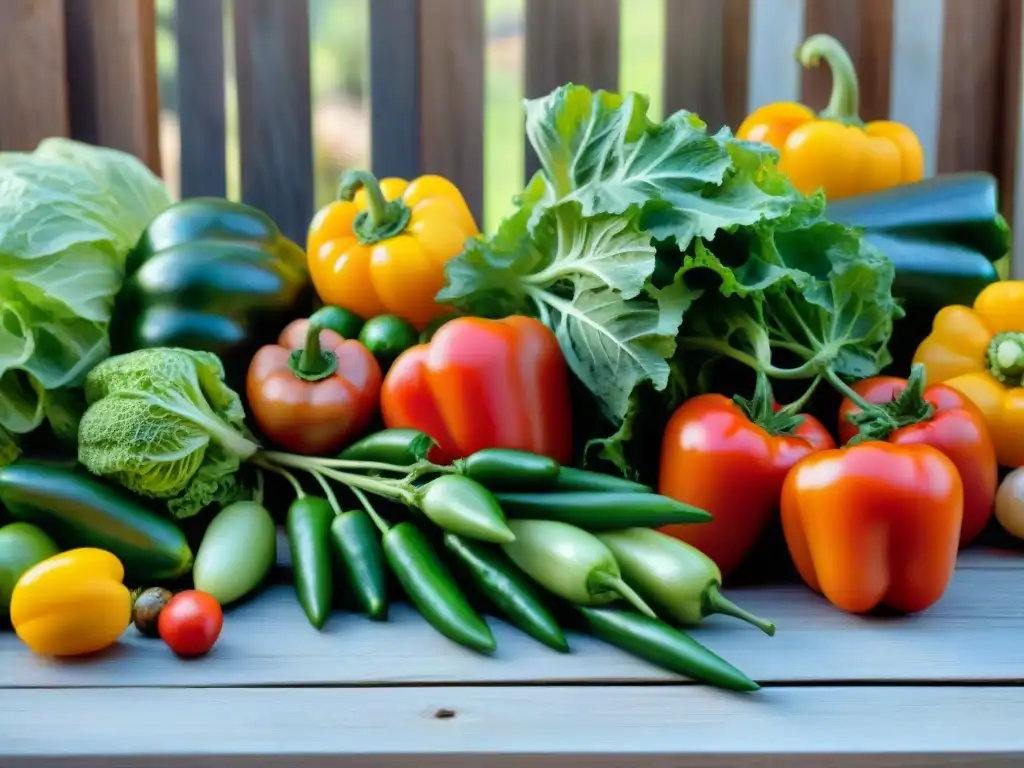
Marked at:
<point>584,420</point>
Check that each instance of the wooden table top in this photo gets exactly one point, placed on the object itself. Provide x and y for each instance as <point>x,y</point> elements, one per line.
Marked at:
<point>945,687</point>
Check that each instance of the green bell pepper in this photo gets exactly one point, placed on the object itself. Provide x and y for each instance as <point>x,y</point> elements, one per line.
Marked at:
<point>945,236</point>
<point>214,275</point>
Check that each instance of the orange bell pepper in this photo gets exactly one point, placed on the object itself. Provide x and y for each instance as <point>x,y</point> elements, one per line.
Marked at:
<point>313,398</point>
<point>382,246</point>
<point>979,351</point>
<point>484,384</point>
<point>874,524</point>
<point>834,150</point>
<point>72,603</point>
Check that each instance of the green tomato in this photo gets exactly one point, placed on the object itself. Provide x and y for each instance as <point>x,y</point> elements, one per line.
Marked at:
<point>387,336</point>
<point>22,545</point>
<point>338,319</point>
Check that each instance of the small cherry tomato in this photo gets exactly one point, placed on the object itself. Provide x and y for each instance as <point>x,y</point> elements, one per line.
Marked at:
<point>190,623</point>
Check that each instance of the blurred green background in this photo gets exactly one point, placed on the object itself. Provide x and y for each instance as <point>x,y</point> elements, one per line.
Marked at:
<point>340,76</point>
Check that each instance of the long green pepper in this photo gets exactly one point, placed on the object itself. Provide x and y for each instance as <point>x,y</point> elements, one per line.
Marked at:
<point>357,543</point>
<point>509,589</point>
<point>308,525</point>
<point>657,642</point>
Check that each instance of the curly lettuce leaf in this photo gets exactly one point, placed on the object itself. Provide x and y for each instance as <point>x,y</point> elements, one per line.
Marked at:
<point>601,150</point>
<point>69,214</point>
<point>586,278</point>
<point>163,424</point>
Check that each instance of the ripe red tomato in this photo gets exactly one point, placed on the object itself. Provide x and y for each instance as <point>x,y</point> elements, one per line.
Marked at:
<point>190,623</point>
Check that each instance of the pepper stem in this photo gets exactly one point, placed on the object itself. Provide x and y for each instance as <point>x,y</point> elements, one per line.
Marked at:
<point>383,218</point>
<point>313,362</point>
<point>715,602</point>
<point>844,103</point>
<point>1006,357</point>
<point>607,582</point>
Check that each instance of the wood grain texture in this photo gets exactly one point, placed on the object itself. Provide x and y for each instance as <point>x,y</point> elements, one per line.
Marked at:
<point>706,54</point>
<point>865,30</point>
<point>275,124</point>
<point>451,99</point>
<point>776,31</point>
<point>972,96</point>
<point>970,635</point>
<point>33,73</point>
<point>916,81</point>
<point>111,70</point>
<point>395,87</point>
<point>1010,121</point>
<point>623,726</point>
<point>570,41</point>
<point>200,28</point>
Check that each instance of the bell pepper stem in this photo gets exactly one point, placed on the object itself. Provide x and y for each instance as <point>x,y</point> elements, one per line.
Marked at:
<point>603,580</point>
<point>715,602</point>
<point>1006,357</point>
<point>383,218</point>
<point>910,407</point>
<point>313,362</point>
<point>760,409</point>
<point>844,103</point>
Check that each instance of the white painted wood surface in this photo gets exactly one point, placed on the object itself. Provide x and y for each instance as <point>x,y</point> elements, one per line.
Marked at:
<point>551,726</point>
<point>941,688</point>
<point>971,635</point>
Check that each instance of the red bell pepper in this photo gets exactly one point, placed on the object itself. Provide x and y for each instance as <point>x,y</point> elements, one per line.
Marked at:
<point>874,524</point>
<point>484,384</point>
<point>939,416</point>
<point>731,459</point>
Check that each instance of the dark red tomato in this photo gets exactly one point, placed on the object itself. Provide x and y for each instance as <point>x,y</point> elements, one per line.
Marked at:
<point>716,458</point>
<point>190,623</point>
<point>956,427</point>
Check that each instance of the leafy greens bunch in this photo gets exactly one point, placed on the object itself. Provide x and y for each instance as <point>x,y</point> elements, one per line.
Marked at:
<point>69,214</point>
<point>654,249</point>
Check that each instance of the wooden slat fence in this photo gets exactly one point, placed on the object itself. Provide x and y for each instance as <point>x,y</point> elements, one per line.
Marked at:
<point>86,68</point>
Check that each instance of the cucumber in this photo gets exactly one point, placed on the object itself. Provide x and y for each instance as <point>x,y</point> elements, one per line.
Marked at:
<point>237,552</point>
<point>79,510</point>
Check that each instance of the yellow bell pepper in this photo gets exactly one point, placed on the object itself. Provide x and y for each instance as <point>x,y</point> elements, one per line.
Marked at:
<point>72,603</point>
<point>834,150</point>
<point>979,351</point>
<point>381,247</point>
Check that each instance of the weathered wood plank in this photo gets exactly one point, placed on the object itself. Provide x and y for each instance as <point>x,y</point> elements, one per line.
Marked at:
<point>971,86</point>
<point>395,87</point>
<point>275,125</point>
<point>865,30</point>
<point>706,53</point>
<point>916,81</point>
<point>200,29</point>
<point>1016,102</point>
<point>776,31</point>
<point>612,726</point>
<point>112,84</point>
<point>1010,121</point>
<point>452,96</point>
<point>570,41</point>
<point>970,635</point>
<point>33,84</point>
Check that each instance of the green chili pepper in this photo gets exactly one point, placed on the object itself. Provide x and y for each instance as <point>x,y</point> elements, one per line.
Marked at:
<point>401,447</point>
<point>506,586</point>
<point>308,525</point>
<point>673,576</point>
<point>431,588</point>
<point>338,319</point>
<point>357,544</point>
<point>505,468</point>
<point>657,642</point>
<point>387,336</point>
<point>601,511</point>
<point>571,479</point>
<point>570,563</point>
<point>463,506</point>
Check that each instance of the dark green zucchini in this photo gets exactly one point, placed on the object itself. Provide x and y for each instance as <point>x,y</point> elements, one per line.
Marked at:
<point>946,238</point>
<point>79,510</point>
